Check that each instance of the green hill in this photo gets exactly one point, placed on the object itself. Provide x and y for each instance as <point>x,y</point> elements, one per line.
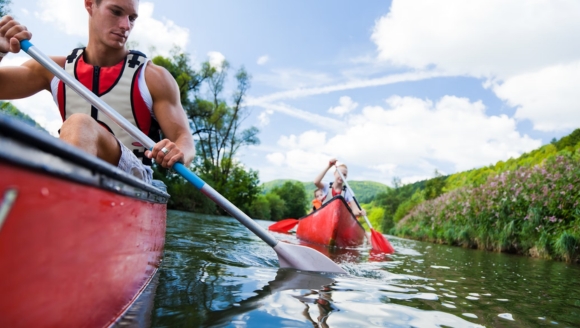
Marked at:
<point>8,108</point>
<point>364,190</point>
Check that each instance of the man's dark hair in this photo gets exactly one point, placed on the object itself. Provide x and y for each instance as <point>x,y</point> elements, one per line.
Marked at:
<point>98,2</point>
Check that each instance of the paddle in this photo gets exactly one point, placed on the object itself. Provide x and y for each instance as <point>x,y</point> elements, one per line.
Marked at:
<point>289,256</point>
<point>378,241</point>
<point>283,225</point>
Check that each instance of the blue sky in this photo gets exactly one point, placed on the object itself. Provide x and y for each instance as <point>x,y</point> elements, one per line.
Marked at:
<point>391,88</point>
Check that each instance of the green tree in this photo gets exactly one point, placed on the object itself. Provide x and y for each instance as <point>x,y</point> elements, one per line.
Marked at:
<point>434,187</point>
<point>217,124</point>
<point>277,206</point>
<point>392,199</point>
<point>242,187</point>
<point>4,10</point>
<point>268,207</point>
<point>260,208</point>
<point>294,197</point>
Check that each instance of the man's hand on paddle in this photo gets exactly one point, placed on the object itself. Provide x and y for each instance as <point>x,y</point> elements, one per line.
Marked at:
<point>165,153</point>
<point>11,33</point>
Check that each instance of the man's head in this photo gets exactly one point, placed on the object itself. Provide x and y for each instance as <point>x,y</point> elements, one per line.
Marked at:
<point>111,21</point>
<point>318,194</point>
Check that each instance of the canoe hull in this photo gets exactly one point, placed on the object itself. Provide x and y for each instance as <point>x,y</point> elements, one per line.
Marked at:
<point>332,225</point>
<point>77,246</point>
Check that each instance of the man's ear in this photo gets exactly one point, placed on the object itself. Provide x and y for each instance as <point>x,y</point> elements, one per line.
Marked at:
<point>89,6</point>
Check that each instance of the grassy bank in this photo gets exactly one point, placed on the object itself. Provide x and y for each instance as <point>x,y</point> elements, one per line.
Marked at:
<point>530,210</point>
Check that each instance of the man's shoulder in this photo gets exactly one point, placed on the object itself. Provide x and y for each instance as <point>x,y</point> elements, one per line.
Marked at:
<point>156,71</point>
<point>159,81</point>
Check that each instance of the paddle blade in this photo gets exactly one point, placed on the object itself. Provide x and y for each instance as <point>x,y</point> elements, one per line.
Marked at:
<point>380,243</point>
<point>283,226</point>
<point>304,258</point>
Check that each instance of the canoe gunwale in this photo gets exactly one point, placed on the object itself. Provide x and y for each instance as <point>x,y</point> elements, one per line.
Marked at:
<point>25,146</point>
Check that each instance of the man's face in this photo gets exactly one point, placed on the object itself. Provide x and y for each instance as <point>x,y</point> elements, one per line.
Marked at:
<point>112,20</point>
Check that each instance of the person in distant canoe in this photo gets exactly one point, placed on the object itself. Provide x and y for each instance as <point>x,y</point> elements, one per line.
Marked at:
<point>318,199</point>
<point>337,187</point>
<point>142,92</point>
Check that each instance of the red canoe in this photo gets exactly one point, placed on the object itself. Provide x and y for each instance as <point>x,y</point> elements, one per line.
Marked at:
<point>79,239</point>
<point>332,225</point>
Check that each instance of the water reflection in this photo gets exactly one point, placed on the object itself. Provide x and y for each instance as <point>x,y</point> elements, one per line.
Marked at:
<point>138,315</point>
<point>216,273</point>
<point>312,288</point>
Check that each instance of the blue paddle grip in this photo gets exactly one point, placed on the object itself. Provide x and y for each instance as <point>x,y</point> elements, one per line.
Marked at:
<point>188,175</point>
<point>25,45</point>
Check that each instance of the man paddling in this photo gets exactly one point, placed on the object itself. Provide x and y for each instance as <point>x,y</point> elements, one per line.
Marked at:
<point>144,93</point>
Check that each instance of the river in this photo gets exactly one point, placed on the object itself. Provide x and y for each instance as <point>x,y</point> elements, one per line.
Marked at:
<point>217,273</point>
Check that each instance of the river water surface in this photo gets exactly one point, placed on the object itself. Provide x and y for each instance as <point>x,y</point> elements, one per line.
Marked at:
<point>217,273</point>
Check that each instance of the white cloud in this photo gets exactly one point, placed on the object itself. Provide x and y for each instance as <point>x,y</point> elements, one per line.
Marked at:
<point>158,36</point>
<point>40,107</point>
<point>264,117</point>
<point>297,164</point>
<point>346,106</point>
<point>301,92</point>
<point>411,137</point>
<point>276,158</point>
<point>319,120</point>
<point>310,140</point>
<point>263,60</point>
<point>216,59</point>
<point>549,97</point>
<point>482,38</point>
<point>528,50</point>
<point>71,17</point>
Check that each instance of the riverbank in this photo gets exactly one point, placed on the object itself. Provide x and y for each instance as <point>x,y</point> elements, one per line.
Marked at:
<point>530,211</point>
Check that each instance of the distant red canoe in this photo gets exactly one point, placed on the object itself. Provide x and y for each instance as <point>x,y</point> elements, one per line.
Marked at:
<point>332,225</point>
<point>79,239</point>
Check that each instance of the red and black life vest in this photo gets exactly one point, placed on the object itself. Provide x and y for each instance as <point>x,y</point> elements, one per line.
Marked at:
<point>118,86</point>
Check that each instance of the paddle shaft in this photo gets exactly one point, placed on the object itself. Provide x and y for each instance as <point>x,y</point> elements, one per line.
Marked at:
<point>353,196</point>
<point>206,189</point>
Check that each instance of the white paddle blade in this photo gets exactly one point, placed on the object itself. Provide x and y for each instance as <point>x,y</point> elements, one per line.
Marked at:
<point>304,258</point>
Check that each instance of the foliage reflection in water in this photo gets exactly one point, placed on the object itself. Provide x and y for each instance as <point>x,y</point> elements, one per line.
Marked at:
<point>216,273</point>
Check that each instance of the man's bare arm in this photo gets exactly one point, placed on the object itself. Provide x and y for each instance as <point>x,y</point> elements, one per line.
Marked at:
<point>171,117</point>
<point>23,81</point>
<point>28,79</point>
